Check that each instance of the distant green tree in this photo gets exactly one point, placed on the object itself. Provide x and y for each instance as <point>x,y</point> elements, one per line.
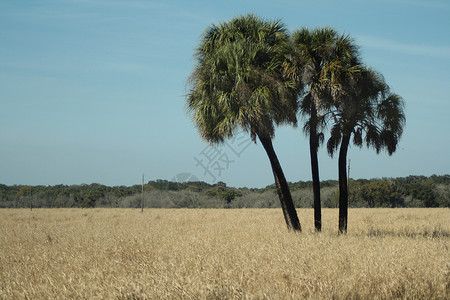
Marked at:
<point>444,179</point>
<point>424,191</point>
<point>381,193</point>
<point>226,194</point>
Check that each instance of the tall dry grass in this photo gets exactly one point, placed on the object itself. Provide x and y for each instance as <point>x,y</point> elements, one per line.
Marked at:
<point>204,254</point>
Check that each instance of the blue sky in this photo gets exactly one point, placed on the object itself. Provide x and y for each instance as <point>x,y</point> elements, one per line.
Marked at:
<point>94,90</point>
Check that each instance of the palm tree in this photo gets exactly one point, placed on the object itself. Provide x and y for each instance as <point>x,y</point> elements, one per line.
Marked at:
<point>238,82</point>
<point>316,56</point>
<point>366,109</point>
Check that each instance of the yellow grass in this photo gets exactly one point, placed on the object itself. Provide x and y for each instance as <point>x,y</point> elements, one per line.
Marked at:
<point>199,254</point>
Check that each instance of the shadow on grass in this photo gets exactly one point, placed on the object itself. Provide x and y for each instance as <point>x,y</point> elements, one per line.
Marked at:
<point>435,233</point>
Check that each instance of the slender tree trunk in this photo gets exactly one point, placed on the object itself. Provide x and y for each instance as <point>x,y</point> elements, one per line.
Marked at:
<point>313,148</point>
<point>287,205</point>
<point>343,188</point>
<point>31,200</point>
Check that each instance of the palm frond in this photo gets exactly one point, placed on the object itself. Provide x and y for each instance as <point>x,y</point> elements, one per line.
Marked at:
<point>335,139</point>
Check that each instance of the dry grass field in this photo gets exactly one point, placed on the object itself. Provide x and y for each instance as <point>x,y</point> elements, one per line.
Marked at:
<point>223,254</point>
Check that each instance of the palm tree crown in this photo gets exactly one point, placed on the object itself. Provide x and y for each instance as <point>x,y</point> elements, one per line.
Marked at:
<point>368,110</point>
<point>320,59</point>
<point>237,81</point>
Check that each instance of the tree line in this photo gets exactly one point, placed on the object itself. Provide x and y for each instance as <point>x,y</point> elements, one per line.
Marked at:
<point>411,191</point>
<point>252,74</point>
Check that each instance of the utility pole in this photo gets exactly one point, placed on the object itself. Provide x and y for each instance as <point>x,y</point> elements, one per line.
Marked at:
<point>31,200</point>
<point>142,194</point>
<point>348,173</point>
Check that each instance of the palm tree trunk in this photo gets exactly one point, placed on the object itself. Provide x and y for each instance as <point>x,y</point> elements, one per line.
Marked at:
<point>287,205</point>
<point>343,191</point>
<point>313,148</point>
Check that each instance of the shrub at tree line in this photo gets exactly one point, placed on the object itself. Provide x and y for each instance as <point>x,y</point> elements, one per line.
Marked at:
<point>411,191</point>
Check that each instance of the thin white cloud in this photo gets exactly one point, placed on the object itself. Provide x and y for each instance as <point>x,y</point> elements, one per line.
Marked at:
<point>404,48</point>
<point>440,4</point>
<point>136,4</point>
